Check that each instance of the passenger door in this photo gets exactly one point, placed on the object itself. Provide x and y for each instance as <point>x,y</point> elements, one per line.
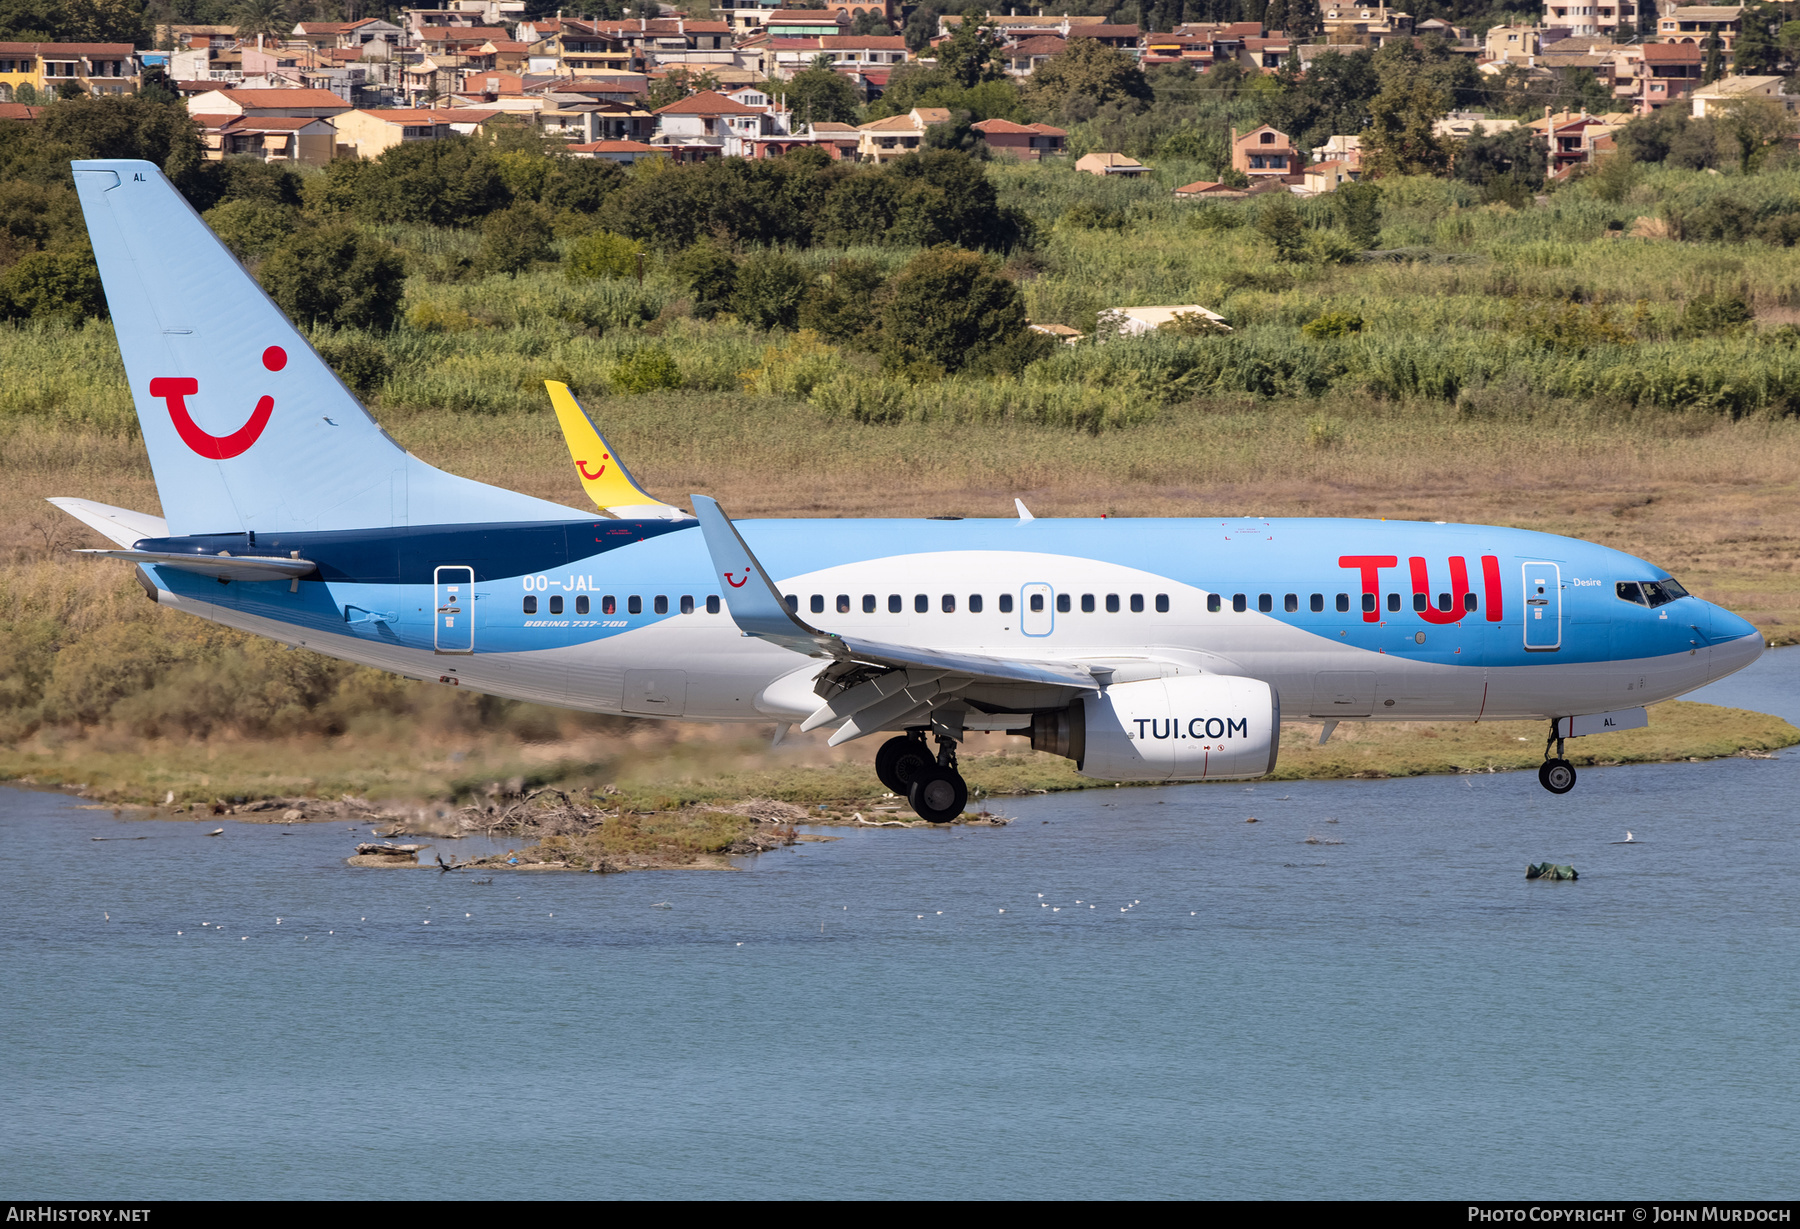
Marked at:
<point>1036,615</point>
<point>453,624</point>
<point>1543,607</point>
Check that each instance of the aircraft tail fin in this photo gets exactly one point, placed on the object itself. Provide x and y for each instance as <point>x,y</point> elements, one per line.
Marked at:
<point>603,475</point>
<point>246,426</point>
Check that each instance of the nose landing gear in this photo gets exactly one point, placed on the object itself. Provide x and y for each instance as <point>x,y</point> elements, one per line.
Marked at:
<point>930,784</point>
<point>1556,775</point>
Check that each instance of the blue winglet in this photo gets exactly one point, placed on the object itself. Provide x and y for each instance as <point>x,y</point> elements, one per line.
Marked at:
<point>754,602</point>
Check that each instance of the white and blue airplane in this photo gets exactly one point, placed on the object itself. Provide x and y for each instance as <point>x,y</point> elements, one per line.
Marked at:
<point>1144,650</point>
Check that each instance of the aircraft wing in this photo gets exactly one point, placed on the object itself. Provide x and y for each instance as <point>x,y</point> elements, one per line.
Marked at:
<point>603,476</point>
<point>759,610</point>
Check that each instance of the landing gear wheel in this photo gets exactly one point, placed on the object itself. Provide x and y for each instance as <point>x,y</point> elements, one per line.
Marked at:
<point>938,795</point>
<point>900,760</point>
<point>1557,776</point>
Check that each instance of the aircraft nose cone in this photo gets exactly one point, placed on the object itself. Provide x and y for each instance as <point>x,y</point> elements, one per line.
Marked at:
<point>1735,642</point>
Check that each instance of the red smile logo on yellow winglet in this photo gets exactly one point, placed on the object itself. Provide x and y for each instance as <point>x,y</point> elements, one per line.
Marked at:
<point>176,389</point>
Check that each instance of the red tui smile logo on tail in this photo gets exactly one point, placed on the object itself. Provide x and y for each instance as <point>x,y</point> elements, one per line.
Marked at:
<point>582,466</point>
<point>176,389</point>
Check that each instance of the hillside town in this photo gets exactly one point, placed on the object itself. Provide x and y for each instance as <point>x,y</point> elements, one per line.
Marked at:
<point>750,81</point>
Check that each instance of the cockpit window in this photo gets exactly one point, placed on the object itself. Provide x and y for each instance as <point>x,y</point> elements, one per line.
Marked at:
<point>1652,593</point>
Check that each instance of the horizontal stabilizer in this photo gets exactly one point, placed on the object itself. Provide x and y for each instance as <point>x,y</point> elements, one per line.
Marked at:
<point>222,567</point>
<point>121,525</point>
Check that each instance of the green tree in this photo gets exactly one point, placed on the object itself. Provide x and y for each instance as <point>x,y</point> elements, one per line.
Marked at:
<point>949,308</point>
<point>455,181</point>
<point>1280,223</point>
<point>1715,60</point>
<point>710,274</point>
<point>841,306</point>
<point>27,94</point>
<point>1399,139</point>
<point>645,370</point>
<point>53,285</point>
<point>972,55</point>
<point>602,254</point>
<point>103,21</point>
<point>515,238</point>
<point>268,19</point>
<point>1758,125</point>
<point>252,229</point>
<point>921,27</point>
<point>336,275</point>
<point>817,96</point>
<point>1091,71</point>
<point>1359,211</point>
<point>1755,53</point>
<point>768,291</point>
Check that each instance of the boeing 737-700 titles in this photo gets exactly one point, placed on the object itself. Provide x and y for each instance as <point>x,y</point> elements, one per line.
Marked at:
<point>1144,650</point>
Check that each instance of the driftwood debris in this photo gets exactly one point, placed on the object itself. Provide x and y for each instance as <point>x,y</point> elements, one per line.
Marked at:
<point>389,850</point>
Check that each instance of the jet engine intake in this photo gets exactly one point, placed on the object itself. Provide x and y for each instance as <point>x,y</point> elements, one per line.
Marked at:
<point>1191,728</point>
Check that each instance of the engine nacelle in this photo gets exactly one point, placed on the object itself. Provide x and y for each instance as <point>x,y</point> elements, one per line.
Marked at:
<point>1190,728</point>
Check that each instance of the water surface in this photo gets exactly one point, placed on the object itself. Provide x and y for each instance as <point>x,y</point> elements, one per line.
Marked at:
<point>1174,1002</point>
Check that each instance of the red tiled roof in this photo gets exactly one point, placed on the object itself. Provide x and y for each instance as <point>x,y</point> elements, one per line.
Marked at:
<point>1043,44</point>
<point>613,147</point>
<point>271,99</point>
<point>18,111</point>
<point>256,123</point>
<point>707,102</point>
<point>55,49</point>
<point>442,115</point>
<point>1672,53</point>
<point>1007,126</point>
<point>479,34</point>
<point>1104,31</point>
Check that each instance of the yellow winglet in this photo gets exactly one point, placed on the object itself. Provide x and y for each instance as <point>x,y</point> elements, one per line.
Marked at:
<point>603,476</point>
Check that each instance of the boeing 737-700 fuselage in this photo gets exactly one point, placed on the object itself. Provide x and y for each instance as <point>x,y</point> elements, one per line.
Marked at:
<point>1141,649</point>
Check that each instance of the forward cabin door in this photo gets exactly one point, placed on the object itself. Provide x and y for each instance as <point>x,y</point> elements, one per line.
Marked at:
<point>1543,607</point>
<point>454,622</point>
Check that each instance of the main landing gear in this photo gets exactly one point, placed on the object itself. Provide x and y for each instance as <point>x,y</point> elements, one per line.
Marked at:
<point>930,783</point>
<point>1556,775</point>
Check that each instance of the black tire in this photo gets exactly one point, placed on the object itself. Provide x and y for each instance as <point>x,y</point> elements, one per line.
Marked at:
<point>1557,776</point>
<point>900,760</point>
<point>939,795</point>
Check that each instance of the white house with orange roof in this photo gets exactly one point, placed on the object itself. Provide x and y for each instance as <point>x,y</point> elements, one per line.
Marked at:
<point>370,133</point>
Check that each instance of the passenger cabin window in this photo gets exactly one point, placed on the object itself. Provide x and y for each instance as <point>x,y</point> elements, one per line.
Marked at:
<point>1264,603</point>
<point>531,605</point>
<point>581,604</point>
<point>949,603</point>
<point>1213,603</point>
<point>687,603</point>
<point>609,605</point>
<point>1318,603</point>
<point>1006,603</point>
<point>974,603</point>
<point>1393,601</point>
<point>1162,603</point>
<point>1291,603</point>
<point>1444,602</point>
<point>1112,603</point>
<point>1419,601</point>
<point>921,603</point>
<point>818,603</point>
<point>1087,603</point>
<point>712,603</point>
<point>1137,603</point>
<point>634,604</point>
<point>1037,603</point>
<point>1343,603</point>
<point>662,604</point>
<point>1238,603</point>
<point>843,603</point>
<point>1469,601</point>
<point>556,604</point>
<point>868,603</point>
<point>893,603</point>
<point>1062,603</point>
<point>1368,602</point>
